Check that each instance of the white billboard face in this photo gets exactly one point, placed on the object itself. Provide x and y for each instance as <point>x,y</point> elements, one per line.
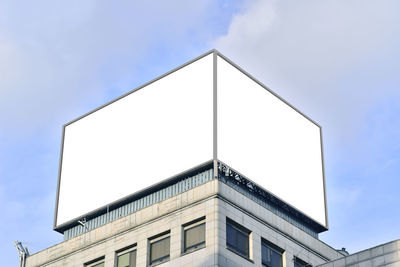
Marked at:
<point>152,134</point>
<point>269,142</point>
<point>167,127</point>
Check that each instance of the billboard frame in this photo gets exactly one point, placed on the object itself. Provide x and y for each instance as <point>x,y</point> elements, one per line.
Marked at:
<point>214,161</point>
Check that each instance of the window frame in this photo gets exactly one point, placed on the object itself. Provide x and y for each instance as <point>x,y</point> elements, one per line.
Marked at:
<point>190,225</point>
<point>123,251</point>
<point>243,230</point>
<point>274,248</point>
<point>95,262</point>
<point>156,239</point>
<point>301,262</point>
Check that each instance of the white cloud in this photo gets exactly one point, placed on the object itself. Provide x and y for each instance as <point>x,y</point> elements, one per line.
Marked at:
<point>325,57</point>
<point>339,63</point>
<point>56,59</point>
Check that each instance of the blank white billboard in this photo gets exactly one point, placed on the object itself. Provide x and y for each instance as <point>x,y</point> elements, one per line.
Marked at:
<point>149,135</point>
<point>269,142</point>
<point>190,116</point>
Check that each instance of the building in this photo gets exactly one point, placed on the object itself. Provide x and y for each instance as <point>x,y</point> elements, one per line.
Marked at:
<point>208,213</point>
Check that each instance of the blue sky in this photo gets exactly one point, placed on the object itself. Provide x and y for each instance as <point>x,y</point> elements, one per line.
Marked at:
<point>336,61</point>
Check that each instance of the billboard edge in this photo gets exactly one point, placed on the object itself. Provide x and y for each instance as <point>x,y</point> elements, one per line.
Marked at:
<point>59,179</point>
<point>138,193</point>
<point>323,179</point>
<point>215,114</point>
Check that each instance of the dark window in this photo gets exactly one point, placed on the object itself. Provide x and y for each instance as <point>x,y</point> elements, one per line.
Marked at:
<point>237,238</point>
<point>300,263</point>
<point>127,258</point>
<point>96,263</point>
<point>194,235</point>
<point>159,248</point>
<point>271,255</point>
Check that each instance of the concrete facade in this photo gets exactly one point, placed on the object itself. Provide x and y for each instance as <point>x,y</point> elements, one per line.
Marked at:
<point>384,255</point>
<point>213,200</point>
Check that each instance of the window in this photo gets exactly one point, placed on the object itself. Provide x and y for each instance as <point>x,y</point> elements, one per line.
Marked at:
<point>159,248</point>
<point>300,263</point>
<point>96,263</point>
<point>127,257</point>
<point>194,235</point>
<point>237,238</point>
<point>271,255</point>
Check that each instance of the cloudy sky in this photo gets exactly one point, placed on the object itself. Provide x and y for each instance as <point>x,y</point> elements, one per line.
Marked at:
<point>336,61</point>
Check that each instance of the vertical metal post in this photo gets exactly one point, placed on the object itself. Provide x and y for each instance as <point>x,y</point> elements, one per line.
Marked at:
<point>22,253</point>
<point>215,115</point>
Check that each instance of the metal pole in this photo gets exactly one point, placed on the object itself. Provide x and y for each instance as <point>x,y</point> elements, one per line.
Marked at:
<point>22,253</point>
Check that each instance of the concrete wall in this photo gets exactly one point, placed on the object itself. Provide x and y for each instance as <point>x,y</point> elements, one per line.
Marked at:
<point>214,200</point>
<point>136,228</point>
<point>264,224</point>
<point>387,255</point>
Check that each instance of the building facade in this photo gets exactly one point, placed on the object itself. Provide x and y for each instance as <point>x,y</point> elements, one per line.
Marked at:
<point>208,215</point>
<point>211,222</point>
<point>232,230</point>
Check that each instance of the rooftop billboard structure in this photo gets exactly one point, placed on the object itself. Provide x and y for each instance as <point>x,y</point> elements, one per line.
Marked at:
<point>204,112</point>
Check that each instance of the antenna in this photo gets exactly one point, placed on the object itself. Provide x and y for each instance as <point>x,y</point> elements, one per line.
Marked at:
<point>22,253</point>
